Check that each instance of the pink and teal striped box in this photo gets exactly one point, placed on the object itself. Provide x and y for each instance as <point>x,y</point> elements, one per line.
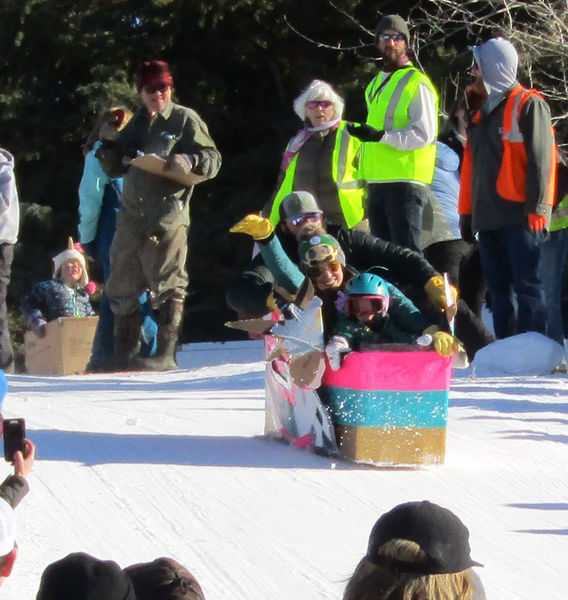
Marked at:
<point>390,407</point>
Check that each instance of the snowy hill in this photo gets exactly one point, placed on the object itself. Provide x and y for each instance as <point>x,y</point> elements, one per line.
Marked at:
<point>138,466</point>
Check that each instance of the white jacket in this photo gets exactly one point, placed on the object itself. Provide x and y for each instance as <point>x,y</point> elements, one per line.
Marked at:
<point>9,207</point>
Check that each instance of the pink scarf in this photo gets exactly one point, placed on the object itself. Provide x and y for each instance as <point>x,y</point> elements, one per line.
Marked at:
<point>296,143</point>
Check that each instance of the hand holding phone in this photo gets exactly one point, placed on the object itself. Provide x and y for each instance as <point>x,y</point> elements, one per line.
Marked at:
<point>14,433</point>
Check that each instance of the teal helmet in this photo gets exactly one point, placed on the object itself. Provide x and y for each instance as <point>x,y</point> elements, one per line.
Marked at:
<point>371,286</point>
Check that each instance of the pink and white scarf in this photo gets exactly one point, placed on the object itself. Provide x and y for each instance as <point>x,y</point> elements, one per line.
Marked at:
<point>296,143</point>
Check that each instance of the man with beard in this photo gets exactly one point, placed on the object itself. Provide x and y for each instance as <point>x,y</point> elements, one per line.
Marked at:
<point>399,150</point>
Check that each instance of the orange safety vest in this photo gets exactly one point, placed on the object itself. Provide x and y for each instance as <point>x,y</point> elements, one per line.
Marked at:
<point>511,181</point>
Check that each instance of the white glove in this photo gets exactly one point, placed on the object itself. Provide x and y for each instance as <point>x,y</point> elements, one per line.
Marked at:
<point>334,348</point>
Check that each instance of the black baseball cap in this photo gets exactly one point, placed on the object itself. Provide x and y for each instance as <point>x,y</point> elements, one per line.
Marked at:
<point>80,576</point>
<point>164,579</point>
<point>439,533</point>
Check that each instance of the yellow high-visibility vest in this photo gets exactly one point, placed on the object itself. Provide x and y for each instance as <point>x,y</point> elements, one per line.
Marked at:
<point>351,189</point>
<point>559,218</point>
<point>387,104</point>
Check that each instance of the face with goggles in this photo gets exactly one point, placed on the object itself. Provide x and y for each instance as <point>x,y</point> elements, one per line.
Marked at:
<point>367,309</point>
<point>323,267</point>
<point>319,112</point>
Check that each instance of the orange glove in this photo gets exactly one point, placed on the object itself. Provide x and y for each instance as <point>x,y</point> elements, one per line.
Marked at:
<point>536,222</point>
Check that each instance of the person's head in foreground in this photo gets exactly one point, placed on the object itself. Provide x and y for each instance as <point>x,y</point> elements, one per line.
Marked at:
<point>80,576</point>
<point>416,551</point>
<point>164,579</point>
<point>8,548</point>
<point>319,104</point>
<point>297,210</point>
<point>323,261</point>
<point>367,298</point>
<point>70,266</point>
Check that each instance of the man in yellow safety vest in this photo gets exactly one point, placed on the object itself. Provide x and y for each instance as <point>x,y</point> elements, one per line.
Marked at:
<point>399,149</point>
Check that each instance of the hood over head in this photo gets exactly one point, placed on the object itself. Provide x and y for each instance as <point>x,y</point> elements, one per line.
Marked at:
<point>497,60</point>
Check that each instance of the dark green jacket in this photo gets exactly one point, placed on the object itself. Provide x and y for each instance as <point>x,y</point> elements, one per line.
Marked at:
<point>151,203</point>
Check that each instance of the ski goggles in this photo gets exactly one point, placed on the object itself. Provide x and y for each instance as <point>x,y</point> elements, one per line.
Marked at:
<point>319,253</point>
<point>357,305</point>
<point>316,271</point>
<point>313,104</point>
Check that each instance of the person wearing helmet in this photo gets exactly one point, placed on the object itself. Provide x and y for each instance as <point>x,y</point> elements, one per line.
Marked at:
<point>376,311</point>
<point>323,271</point>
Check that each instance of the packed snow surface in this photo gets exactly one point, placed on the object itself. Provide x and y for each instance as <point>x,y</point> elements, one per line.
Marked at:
<point>135,466</point>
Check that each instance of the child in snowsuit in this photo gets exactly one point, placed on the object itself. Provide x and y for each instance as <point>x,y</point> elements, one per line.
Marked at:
<point>66,295</point>
<point>374,311</point>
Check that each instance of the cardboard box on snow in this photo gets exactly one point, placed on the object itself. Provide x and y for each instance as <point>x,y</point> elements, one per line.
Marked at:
<point>65,349</point>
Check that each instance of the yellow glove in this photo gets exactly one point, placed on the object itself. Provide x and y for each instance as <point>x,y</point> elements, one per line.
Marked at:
<point>259,228</point>
<point>271,304</point>
<point>445,343</point>
<point>436,292</point>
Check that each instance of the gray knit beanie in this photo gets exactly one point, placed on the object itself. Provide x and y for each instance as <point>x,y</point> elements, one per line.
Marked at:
<point>394,22</point>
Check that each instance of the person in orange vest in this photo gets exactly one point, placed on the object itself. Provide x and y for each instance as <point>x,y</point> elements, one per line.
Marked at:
<point>507,188</point>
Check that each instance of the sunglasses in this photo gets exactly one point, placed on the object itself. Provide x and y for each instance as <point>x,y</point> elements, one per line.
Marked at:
<point>313,104</point>
<point>320,269</point>
<point>306,217</point>
<point>395,37</point>
<point>152,89</point>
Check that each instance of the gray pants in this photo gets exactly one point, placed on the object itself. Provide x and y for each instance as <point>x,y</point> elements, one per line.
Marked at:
<point>6,352</point>
<point>140,262</point>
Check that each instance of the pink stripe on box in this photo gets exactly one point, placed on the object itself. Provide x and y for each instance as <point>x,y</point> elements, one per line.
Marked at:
<point>396,371</point>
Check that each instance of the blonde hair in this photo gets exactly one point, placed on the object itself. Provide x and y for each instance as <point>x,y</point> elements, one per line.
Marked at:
<point>319,90</point>
<point>373,582</point>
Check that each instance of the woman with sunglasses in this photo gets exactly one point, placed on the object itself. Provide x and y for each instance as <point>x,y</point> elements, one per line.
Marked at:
<point>323,159</point>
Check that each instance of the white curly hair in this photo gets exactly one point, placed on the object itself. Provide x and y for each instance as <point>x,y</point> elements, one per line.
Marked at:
<point>319,90</point>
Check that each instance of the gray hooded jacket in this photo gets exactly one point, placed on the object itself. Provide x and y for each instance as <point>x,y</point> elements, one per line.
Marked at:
<point>498,60</point>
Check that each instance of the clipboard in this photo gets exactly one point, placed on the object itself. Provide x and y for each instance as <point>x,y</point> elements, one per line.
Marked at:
<point>152,163</point>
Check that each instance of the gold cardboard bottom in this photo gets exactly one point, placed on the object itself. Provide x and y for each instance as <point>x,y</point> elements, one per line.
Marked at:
<point>392,445</point>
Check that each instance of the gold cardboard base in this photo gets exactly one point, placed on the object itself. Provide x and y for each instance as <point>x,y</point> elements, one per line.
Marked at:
<point>392,445</point>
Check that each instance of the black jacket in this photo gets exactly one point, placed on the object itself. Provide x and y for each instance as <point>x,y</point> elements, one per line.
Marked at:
<point>247,294</point>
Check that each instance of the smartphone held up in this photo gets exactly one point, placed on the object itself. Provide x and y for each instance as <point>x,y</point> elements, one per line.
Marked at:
<point>14,433</point>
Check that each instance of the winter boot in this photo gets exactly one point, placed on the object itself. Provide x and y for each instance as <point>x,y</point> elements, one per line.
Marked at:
<point>126,340</point>
<point>169,324</point>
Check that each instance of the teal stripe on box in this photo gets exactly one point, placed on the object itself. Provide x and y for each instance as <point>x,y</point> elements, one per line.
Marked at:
<point>385,408</point>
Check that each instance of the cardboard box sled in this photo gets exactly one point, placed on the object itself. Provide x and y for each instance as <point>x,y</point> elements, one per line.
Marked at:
<point>389,407</point>
<point>65,349</point>
<point>293,413</point>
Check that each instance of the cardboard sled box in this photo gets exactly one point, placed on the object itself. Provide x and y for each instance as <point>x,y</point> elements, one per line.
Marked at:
<point>65,349</point>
